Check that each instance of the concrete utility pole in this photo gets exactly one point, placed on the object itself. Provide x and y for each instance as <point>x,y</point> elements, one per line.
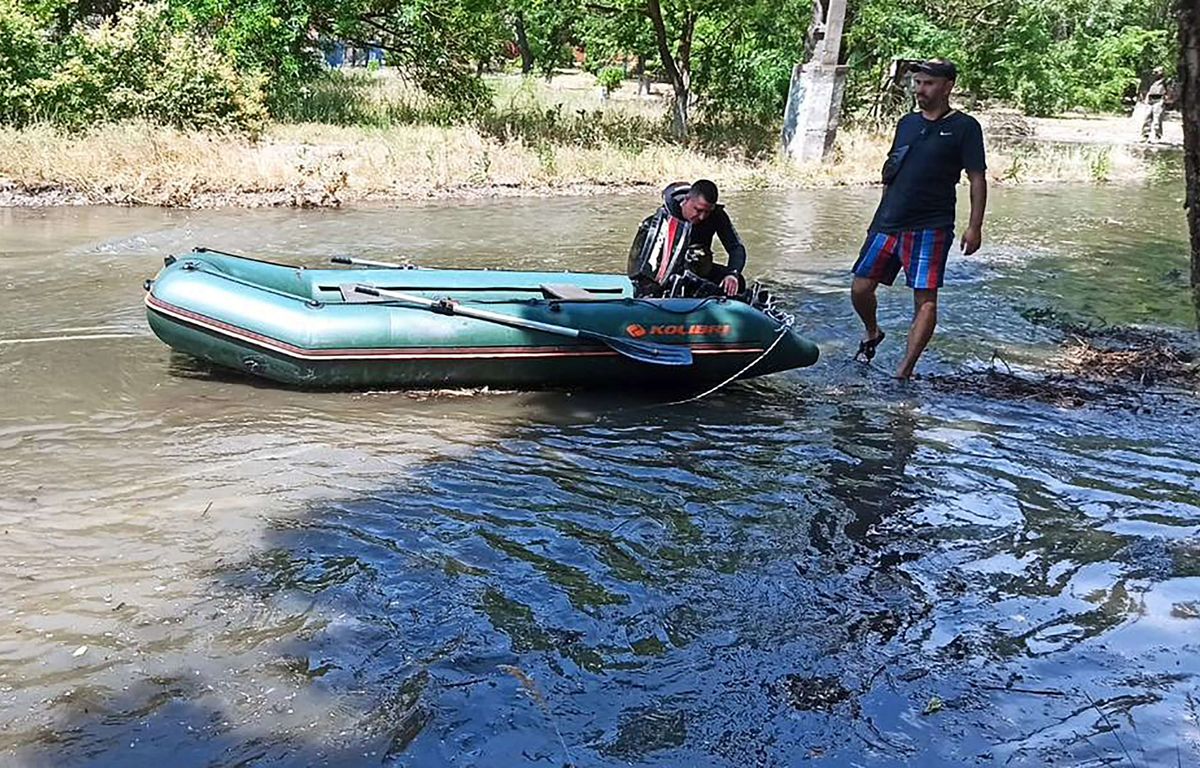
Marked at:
<point>814,103</point>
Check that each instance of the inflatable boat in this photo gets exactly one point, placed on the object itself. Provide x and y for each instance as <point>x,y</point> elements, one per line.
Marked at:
<point>391,326</point>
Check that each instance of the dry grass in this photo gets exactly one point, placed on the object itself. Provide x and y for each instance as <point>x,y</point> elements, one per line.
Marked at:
<point>312,164</point>
<point>587,145</point>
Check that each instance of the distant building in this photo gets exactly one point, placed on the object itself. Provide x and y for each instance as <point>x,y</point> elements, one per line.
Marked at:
<point>339,54</point>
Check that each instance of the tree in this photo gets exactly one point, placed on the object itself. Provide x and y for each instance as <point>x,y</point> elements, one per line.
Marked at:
<point>1189,79</point>
<point>435,42</point>
<point>742,62</point>
<point>672,32</point>
<point>542,32</point>
<point>733,57</point>
<point>1042,56</point>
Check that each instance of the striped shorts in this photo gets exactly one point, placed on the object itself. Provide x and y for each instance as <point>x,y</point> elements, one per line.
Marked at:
<point>921,252</point>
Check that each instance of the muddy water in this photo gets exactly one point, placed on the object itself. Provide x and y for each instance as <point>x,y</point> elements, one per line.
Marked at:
<point>819,566</point>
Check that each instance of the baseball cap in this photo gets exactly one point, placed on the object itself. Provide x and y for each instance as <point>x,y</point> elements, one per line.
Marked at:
<point>937,68</point>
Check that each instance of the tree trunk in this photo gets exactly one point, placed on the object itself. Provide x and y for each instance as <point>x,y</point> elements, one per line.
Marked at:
<point>526,52</point>
<point>678,68</point>
<point>1189,81</point>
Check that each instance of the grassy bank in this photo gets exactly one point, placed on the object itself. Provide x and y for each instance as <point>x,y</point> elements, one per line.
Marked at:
<point>372,144</point>
<point>323,165</point>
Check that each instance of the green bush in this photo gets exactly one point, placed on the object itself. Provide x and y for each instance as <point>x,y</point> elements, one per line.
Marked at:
<point>24,57</point>
<point>610,78</point>
<point>140,67</point>
<point>338,97</point>
<point>537,126</point>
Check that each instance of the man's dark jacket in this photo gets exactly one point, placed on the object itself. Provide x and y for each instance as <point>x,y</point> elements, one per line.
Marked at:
<point>717,223</point>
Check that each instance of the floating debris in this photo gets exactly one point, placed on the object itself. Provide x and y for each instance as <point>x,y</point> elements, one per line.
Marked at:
<point>933,706</point>
<point>1147,360</point>
<point>1110,366</point>
<point>810,694</point>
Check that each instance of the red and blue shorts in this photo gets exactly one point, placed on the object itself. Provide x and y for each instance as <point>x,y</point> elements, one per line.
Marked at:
<point>921,252</point>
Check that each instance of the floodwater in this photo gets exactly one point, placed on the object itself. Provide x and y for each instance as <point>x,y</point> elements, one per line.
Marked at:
<point>820,567</point>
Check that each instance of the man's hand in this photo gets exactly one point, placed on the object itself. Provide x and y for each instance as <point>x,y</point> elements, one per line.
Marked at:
<point>730,284</point>
<point>972,237</point>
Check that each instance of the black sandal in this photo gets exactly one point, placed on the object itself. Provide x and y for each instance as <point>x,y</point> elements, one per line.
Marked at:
<point>866,348</point>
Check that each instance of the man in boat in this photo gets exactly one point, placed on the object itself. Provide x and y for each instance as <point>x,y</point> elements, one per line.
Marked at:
<point>913,226</point>
<point>678,239</point>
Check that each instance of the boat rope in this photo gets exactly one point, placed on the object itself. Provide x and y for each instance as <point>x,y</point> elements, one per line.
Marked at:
<point>785,326</point>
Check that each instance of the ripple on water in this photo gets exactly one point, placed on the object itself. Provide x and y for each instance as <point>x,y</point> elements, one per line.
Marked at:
<point>812,566</point>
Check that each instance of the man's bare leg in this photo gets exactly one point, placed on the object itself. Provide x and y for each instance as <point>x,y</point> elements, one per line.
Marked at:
<point>921,331</point>
<point>862,296</point>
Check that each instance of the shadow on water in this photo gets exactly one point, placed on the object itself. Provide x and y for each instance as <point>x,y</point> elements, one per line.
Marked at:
<point>762,578</point>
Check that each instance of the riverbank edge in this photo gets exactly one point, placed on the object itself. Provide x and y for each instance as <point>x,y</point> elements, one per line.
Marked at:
<point>322,166</point>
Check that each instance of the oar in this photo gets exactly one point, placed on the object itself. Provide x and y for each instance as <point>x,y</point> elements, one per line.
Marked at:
<point>368,263</point>
<point>642,351</point>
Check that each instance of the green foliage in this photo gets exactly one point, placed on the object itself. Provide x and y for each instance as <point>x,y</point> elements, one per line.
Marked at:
<point>610,78</point>
<point>538,127</point>
<point>623,31</point>
<point>341,97</point>
<point>267,37</point>
<point>139,67</point>
<point>24,57</point>
<point>546,30</point>
<point>1043,56</point>
<point>219,63</point>
<point>882,31</point>
<point>743,58</point>
<point>437,43</point>
<point>1100,164</point>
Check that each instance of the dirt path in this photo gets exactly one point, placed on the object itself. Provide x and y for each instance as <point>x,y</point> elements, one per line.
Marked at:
<point>1113,130</point>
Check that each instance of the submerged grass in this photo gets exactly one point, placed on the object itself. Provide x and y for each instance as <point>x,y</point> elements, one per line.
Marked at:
<point>372,136</point>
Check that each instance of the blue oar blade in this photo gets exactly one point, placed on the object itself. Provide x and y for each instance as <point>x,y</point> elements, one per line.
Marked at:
<point>645,351</point>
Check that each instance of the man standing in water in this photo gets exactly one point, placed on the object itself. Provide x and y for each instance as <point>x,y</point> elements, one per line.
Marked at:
<point>1153,103</point>
<point>913,226</point>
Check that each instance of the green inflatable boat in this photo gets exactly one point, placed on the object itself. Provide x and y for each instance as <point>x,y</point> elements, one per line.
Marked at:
<point>393,326</point>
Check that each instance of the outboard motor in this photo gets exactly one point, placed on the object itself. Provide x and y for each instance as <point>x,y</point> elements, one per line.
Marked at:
<point>688,283</point>
<point>662,265</point>
<point>658,253</point>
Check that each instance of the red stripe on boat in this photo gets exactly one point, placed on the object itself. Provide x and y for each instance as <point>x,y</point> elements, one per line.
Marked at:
<point>403,353</point>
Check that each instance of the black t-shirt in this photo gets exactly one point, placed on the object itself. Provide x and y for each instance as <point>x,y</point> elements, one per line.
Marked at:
<point>922,194</point>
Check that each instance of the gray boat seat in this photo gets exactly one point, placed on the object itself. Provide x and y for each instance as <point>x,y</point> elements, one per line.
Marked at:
<point>565,291</point>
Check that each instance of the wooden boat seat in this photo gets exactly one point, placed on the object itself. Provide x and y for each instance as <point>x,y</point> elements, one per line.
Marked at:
<point>565,291</point>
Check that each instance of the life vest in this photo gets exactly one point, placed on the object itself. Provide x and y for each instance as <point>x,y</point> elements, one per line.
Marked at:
<point>658,252</point>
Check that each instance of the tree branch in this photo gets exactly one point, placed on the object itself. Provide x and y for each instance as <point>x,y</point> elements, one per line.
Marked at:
<point>654,11</point>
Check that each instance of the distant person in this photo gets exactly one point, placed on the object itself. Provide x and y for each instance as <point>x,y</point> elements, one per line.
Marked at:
<point>1154,101</point>
<point>913,226</point>
<point>662,251</point>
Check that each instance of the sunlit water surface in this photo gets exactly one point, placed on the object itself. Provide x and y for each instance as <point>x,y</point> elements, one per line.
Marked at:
<point>817,567</point>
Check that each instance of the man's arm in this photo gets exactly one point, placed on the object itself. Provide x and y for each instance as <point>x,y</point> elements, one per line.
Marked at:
<point>975,164</point>
<point>895,141</point>
<point>973,235</point>
<point>732,242</point>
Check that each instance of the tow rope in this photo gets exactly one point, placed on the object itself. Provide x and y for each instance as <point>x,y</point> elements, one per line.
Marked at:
<point>786,322</point>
